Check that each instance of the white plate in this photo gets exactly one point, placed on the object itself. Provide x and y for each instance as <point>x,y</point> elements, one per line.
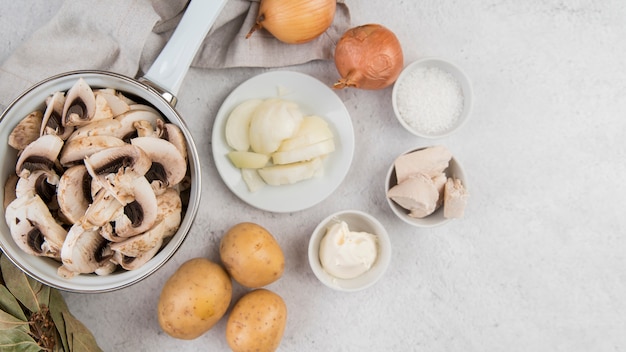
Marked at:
<point>314,98</point>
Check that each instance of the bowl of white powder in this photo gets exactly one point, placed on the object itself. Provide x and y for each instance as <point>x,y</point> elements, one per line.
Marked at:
<point>432,98</point>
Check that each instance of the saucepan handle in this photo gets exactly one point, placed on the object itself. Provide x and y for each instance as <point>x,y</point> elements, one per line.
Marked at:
<point>171,66</point>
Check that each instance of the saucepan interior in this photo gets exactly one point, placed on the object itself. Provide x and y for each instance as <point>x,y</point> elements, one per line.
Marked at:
<point>45,269</point>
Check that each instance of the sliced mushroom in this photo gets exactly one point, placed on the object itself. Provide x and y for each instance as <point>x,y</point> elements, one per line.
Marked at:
<point>95,187</point>
<point>52,119</point>
<point>133,263</point>
<point>33,228</point>
<point>116,168</point>
<point>117,104</point>
<point>167,222</point>
<point>9,190</point>
<point>40,182</point>
<point>128,131</point>
<point>105,208</point>
<point>170,211</point>
<point>76,150</point>
<point>126,99</point>
<point>136,245</point>
<point>140,214</point>
<point>103,110</point>
<point>74,192</point>
<point>136,106</point>
<point>127,158</point>
<point>26,131</point>
<point>108,127</point>
<point>41,154</point>
<point>107,268</point>
<point>168,165</point>
<point>80,105</point>
<point>84,251</point>
<point>174,135</point>
<point>108,231</point>
<point>144,129</point>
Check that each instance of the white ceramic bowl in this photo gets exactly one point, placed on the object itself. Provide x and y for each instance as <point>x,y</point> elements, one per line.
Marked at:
<point>356,221</point>
<point>424,98</point>
<point>435,219</point>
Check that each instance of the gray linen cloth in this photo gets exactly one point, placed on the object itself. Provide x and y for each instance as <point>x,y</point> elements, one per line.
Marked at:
<point>126,36</point>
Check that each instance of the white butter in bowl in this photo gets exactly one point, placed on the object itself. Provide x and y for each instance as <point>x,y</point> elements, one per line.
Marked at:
<point>349,250</point>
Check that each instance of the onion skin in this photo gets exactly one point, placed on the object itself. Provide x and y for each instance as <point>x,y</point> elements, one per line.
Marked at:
<point>368,57</point>
<point>295,21</point>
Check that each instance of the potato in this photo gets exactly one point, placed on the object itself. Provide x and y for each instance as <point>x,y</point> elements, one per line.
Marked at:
<point>194,298</point>
<point>251,255</point>
<point>256,322</point>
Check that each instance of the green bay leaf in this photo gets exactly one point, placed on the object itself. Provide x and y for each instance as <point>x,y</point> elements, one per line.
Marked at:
<point>18,341</point>
<point>8,322</point>
<point>57,308</point>
<point>9,304</point>
<point>85,342</point>
<point>78,335</point>
<point>24,288</point>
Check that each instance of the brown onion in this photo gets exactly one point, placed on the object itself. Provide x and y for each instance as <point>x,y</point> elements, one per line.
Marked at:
<point>295,21</point>
<point>368,57</point>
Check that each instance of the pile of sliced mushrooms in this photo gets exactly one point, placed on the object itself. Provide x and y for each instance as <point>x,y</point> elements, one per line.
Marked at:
<point>97,183</point>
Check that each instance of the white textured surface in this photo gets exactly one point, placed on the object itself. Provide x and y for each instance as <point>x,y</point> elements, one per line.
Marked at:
<point>538,262</point>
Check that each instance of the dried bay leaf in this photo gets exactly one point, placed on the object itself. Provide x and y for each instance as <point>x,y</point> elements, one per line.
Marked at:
<point>18,341</point>
<point>8,322</point>
<point>24,288</point>
<point>78,336</point>
<point>57,308</point>
<point>9,304</point>
<point>85,342</point>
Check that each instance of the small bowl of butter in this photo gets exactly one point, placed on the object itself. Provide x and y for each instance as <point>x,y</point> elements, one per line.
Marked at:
<point>349,250</point>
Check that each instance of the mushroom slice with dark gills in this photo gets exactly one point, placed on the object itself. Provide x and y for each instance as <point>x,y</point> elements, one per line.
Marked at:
<point>127,130</point>
<point>132,263</point>
<point>26,131</point>
<point>52,122</point>
<point>41,154</point>
<point>75,150</point>
<point>115,168</point>
<point>108,231</point>
<point>41,182</point>
<point>167,222</point>
<point>74,193</point>
<point>33,228</point>
<point>173,134</point>
<point>80,105</point>
<point>168,166</point>
<point>84,251</point>
<point>141,213</point>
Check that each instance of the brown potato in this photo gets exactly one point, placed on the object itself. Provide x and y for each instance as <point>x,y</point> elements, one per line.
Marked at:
<point>251,255</point>
<point>257,322</point>
<point>194,298</point>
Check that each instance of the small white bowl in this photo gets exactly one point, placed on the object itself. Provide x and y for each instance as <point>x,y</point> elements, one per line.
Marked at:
<point>357,221</point>
<point>431,68</point>
<point>454,170</point>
